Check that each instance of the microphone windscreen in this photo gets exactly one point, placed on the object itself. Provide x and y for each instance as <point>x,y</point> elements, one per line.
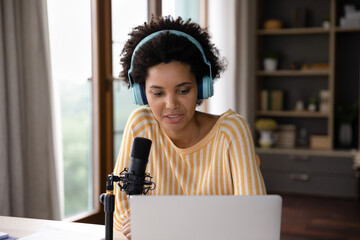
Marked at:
<point>141,148</point>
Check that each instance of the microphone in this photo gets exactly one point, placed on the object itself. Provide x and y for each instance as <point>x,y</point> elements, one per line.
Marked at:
<point>135,179</point>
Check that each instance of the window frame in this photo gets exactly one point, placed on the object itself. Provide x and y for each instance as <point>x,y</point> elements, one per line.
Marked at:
<point>102,105</point>
<point>102,142</point>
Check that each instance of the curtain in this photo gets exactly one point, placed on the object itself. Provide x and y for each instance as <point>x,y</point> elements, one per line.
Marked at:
<point>28,186</point>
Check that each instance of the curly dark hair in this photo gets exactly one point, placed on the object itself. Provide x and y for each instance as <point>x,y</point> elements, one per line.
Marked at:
<point>167,47</point>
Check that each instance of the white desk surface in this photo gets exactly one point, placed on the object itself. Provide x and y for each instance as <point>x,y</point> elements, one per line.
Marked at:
<point>21,227</point>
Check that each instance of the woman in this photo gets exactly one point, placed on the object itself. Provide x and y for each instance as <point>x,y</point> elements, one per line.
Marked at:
<point>170,65</point>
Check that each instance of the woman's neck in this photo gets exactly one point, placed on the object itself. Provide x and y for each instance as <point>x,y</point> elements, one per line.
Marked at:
<point>195,132</point>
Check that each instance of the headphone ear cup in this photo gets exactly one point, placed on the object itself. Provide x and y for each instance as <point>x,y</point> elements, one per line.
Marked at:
<point>138,93</point>
<point>206,88</point>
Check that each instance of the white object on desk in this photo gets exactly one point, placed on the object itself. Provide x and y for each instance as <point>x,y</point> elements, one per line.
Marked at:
<point>55,233</point>
<point>3,235</point>
<point>28,227</point>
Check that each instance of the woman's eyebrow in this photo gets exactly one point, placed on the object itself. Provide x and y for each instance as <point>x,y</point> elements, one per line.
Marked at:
<point>178,85</point>
<point>154,86</point>
<point>184,83</point>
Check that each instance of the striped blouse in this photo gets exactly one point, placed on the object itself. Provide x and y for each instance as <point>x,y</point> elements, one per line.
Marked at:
<point>222,163</point>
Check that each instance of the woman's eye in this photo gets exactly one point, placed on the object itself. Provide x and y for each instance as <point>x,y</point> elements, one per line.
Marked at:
<point>157,93</point>
<point>184,91</point>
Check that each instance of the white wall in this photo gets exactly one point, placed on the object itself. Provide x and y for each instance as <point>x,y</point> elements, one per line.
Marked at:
<point>221,23</point>
<point>232,25</point>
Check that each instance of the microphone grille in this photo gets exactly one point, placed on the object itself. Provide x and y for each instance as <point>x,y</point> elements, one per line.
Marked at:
<point>141,148</point>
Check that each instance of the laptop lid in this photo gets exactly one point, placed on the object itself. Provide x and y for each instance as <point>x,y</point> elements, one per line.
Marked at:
<point>205,217</point>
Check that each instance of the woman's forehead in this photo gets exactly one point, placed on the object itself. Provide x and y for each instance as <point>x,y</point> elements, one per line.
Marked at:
<point>174,72</point>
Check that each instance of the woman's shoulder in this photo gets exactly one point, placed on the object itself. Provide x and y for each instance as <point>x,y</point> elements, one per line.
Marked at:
<point>143,110</point>
<point>230,120</point>
<point>231,115</point>
<point>228,123</point>
<point>141,115</point>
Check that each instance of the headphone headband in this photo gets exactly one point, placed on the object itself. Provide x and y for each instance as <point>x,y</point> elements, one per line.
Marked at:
<point>205,89</point>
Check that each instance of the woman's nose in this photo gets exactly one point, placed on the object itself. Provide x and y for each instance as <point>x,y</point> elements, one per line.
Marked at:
<point>171,101</point>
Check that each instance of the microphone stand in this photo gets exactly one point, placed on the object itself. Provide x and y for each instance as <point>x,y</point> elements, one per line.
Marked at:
<point>108,198</point>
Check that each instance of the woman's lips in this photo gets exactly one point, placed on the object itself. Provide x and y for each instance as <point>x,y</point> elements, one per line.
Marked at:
<point>174,118</point>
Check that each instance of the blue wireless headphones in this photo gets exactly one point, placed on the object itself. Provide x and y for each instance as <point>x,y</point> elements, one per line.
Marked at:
<point>205,86</point>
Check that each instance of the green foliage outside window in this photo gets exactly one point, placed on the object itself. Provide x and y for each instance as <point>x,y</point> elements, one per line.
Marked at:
<point>76,130</point>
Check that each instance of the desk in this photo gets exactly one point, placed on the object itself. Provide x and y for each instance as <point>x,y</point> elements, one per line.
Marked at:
<point>21,227</point>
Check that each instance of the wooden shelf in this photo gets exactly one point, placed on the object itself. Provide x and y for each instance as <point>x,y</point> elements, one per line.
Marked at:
<point>330,56</point>
<point>304,151</point>
<point>289,73</point>
<point>293,31</point>
<point>297,114</point>
<point>340,29</point>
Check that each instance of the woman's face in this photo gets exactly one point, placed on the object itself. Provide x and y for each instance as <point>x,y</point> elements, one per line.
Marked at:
<point>171,91</point>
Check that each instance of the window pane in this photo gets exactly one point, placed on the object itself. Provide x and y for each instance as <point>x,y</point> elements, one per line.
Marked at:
<point>168,7</point>
<point>183,8</point>
<point>70,46</point>
<point>125,16</point>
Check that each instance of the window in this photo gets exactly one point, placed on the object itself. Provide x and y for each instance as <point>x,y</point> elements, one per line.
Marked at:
<point>125,16</point>
<point>184,8</point>
<point>70,47</point>
<point>71,53</point>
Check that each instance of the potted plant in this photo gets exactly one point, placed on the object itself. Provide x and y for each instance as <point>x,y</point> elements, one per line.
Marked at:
<point>270,59</point>
<point>266,126</point>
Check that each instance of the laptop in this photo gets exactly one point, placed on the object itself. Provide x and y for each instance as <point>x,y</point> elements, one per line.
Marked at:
<point>205,217</point>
